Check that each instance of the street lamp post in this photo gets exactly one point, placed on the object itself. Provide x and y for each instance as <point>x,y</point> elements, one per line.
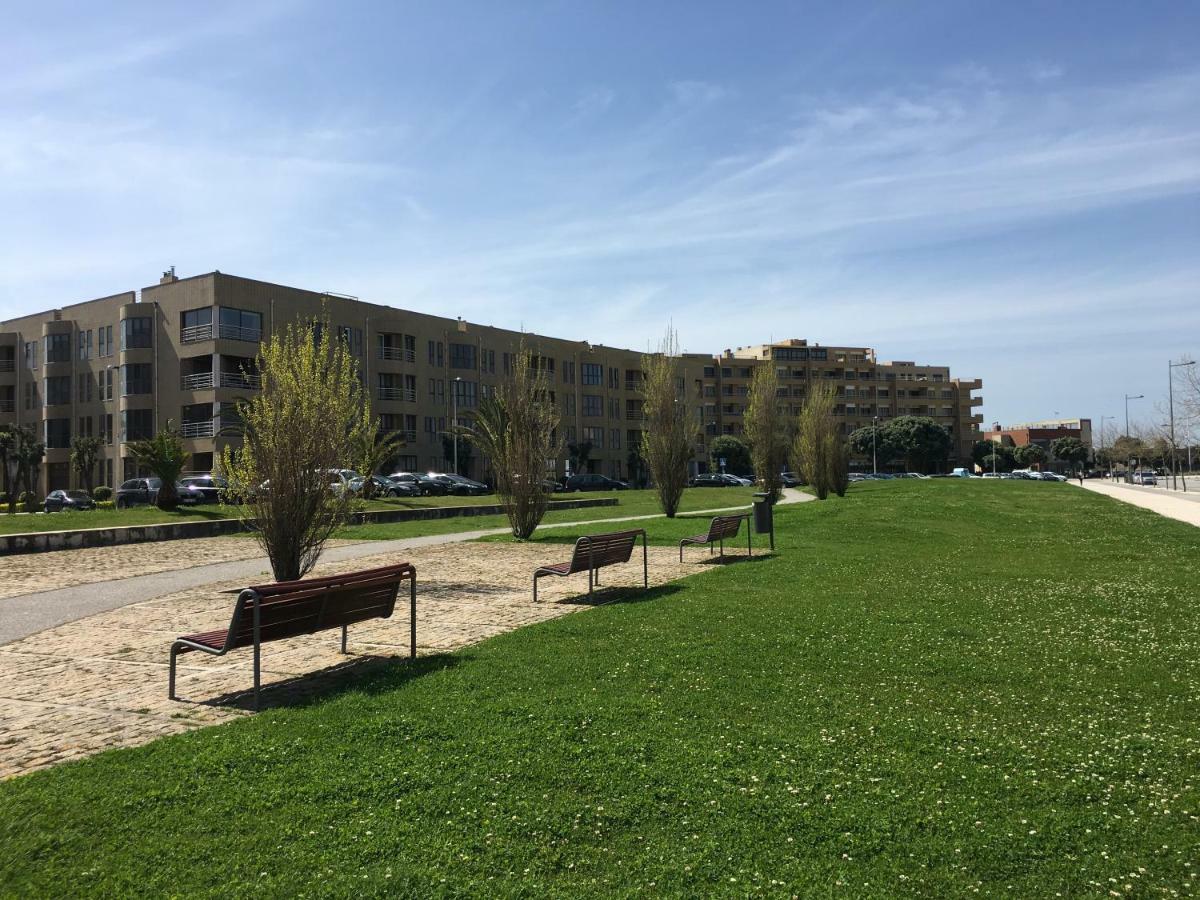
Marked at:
<point>1171,367</point>
<point>874,455</point>
<point>454,418</point>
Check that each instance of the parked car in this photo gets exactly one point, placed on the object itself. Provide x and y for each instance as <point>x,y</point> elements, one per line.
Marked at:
<point>57,501</point>
<point>706,479</point>
<point>457,485</point>
<point>385,487</point>
<point>425,485</point>
<point>189,495</point>
<point>591,482</point>
<point>738,480</point>
<point>137,492</point>
<point>960,472</point>
<point>209,487</point>
<point>790,479</point>
<point>1145,478</point>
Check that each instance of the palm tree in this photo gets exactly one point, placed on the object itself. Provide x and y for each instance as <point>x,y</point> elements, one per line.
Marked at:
<point>372,448</point>
<point>164,456</point>
<point>24,455</point>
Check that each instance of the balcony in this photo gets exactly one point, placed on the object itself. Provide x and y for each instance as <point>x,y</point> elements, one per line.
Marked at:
<point>240,381</point>
<point>398,354</point>
<point>197,429</point>
<point>391,393</point>
<point>7,406</point>
<point>8,365</point>
<point>194,333</point>
<point>200,381</point>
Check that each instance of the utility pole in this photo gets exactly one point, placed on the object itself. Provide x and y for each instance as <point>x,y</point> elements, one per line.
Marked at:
<point>454,418</point>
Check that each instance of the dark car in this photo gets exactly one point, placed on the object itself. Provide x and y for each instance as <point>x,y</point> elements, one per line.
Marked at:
<point>459,485</point>
<point>790,479</point>
<point>207,487</point>
<point>385,487</point>
<point>57,501</point>
<point>594,483</point>
<point>711,479</point>
<point>137,492</point>
<point>425,485</point>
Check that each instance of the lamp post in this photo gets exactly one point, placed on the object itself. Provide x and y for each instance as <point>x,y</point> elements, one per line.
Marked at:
<point>874,455</point>
<point>1129,397</point>
<point>1102,418</point>
<point>454,418</point>
<point>1171,367</point>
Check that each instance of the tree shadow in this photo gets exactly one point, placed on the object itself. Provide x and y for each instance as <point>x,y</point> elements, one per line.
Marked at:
<point>366,672</point>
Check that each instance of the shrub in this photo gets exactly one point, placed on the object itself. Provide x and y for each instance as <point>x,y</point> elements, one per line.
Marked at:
<point>3,498</point>
<point>101,493</point>
<point>29,502</point>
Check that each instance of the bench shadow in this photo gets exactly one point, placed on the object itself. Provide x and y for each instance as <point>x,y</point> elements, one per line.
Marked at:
<point>603,595</point>
<point>731,559</point>
<point>368,673</point>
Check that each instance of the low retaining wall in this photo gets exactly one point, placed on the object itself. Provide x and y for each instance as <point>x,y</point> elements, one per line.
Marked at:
<point>43,541</point>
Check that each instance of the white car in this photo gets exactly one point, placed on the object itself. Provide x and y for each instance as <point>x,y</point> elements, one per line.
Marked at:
<point>1145,478</point>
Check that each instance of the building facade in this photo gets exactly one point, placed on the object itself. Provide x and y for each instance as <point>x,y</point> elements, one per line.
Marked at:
<point>120,367</point>
<point>1043,434</point>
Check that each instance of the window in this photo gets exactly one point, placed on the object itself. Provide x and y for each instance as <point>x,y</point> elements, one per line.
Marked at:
<point>137,378</point>
<point>437,390</point>
<point>106,429</point>
<point>196,324</point>
<point>85,387</point>
<point>244,325</point>
<point>594,435</point>
<point>593,405</point>
<point>105,379</point>
<point>31,354</point>
<point>593,373</point>
<point>31,395</point>
<point>137,424</point>
<point>85,426</point>
<point>58,434</point>
<point>819,354</point>
<point>568,372</point>
<point>353,338</point>
<point>466,393</point>
<point>104,339</point>
<point>487,362</point>
<point>790,354</point>
<point>430,425</point>
<point>615,439</point>
<point>437,355</point>
<point>83,342</point>
<point>462,356</point>
<point>710,371</point>
<point>58,348</point>
<point>57,390</point>
<point>570,404</point>
<point>136,333</point>
<point>614,378</point>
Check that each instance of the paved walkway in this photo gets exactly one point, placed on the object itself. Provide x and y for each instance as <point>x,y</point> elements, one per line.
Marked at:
<point>188,565</point>
<point>1173,505</point>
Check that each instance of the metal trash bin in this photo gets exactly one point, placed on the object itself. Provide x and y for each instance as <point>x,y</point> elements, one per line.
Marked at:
<point>764,516</point>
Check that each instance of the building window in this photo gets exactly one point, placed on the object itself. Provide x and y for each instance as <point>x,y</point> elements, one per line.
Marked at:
<point>487,362</point>
<point>437,390</point>
<point>614,378</point>
<point>615,438</point>
<point>196,324</point>
<point>137,378</point>
<point>31,354</point>
<point>58,348</point>
<point>58,434</point>
<point>568,372</point>
<point>594,435</point>
<point>57,390</point>
<point>463,356</point>
<point>244,325</point>
<point>593,374</point>
<point>137,424</point>
<point>466,393</point>
<point>570,404</point>
<point>137,333</point>
<point>437,355</point>
<point>593,405</point>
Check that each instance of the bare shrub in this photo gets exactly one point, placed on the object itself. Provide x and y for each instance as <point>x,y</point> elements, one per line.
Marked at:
<point>666,444</point>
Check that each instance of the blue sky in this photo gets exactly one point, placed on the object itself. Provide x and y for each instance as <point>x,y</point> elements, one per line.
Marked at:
<point>1012,189</point>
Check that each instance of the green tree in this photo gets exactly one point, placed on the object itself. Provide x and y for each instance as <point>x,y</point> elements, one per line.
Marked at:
<point>163,455</point>
<point>1070,450</point>
<point>372,449</point>
<point>1030,455</point>
<point>666,438</point>
<point>735,453</point>
<point>8,442</point>
<point>993,455</point>
<point>300,425</point>
<point>578,453</point>
<point>922,442</point>
<point>516,429</point>
<point>23,456</point>
<point>766,431</point>
<point>84,452</point>
<point>875,441</point>
<point>816,441</point>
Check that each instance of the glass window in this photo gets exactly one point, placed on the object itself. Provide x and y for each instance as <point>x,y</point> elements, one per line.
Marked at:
<point>57,390</point>
<point>137,378</point>
<point>58,433</point>
<point>593,405</point>
<point>136,333</point>
<point>593,373</point>
<point>462,356</point>
<point>243,325</point>
<point>137,424</point>
<point>31,354</point>
<point>58,348</point>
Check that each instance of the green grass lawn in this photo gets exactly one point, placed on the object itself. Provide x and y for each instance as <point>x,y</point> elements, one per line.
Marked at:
<point>934,687</point>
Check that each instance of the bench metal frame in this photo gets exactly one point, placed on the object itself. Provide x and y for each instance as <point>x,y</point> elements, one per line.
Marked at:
<point>718,530</point>
<point>250,599</point>
<point>587,545</point>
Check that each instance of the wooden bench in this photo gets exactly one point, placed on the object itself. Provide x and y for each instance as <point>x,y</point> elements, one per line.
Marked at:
<point>272,612</point>
<point>594,551</point>
<point>720,529</point>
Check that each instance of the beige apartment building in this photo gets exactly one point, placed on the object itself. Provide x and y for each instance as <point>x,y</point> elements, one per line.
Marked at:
<point>120,367</point>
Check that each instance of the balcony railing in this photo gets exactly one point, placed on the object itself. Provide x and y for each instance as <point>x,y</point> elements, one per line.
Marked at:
<point>240,381</point>
<point>197,429</point>
<point>407,394</point>
<point>194,333</point>
<point>409,436</point>
<point>8,365</point>
<point>8,406</point>
<point>200,381</point>
<point>398,353</point>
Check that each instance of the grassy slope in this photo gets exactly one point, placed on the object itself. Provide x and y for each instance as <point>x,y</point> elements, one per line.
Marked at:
<point>935,686</point>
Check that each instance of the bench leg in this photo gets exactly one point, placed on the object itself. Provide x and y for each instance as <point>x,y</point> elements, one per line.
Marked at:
<point>535,588</point>
<point>593,577</point>
<point>722,556</point>
<point>412,618</point>
<point>646,562</point>
<point>749,546</point>
<point>257,650</point>
<point>343,638</point>
<point>171,677</point>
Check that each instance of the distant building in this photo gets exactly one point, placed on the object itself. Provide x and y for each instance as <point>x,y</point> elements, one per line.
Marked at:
<point>1043,434</point>
<point>120,367</point>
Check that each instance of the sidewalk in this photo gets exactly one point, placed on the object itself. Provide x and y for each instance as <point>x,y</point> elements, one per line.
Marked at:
<point>23,615</point>
<point>1173,505</point>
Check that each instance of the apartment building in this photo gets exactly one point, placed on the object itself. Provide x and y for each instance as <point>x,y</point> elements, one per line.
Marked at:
<point>184,350</point>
